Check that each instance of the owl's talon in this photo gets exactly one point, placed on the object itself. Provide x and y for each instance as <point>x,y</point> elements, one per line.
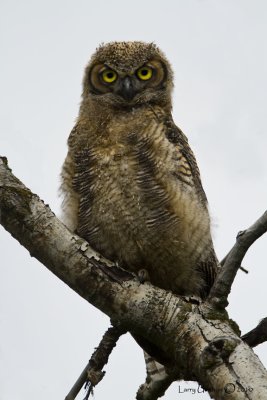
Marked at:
<point>143,275</point>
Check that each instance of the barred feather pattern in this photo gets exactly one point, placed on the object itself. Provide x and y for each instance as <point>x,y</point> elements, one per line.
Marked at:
<point>137,188</point>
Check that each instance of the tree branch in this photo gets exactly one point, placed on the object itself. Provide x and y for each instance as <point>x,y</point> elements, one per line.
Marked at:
<point>219,293</point>
<point>257,335</point>
<point>157,381</point>
<point>92,373</point>
<point>217,356</point>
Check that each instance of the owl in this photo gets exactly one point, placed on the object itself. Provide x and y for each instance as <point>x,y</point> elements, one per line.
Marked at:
<point>130,181</point>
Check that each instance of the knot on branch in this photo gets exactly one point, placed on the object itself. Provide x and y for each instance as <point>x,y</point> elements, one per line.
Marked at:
<point>95,376</point>
<point>218,351</point>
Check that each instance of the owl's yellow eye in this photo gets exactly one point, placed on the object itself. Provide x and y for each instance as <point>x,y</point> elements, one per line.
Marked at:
<point>109,76</point>
<point>145,73</point>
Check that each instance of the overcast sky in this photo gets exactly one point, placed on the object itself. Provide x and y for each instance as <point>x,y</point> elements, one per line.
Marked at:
<point>219,55</point>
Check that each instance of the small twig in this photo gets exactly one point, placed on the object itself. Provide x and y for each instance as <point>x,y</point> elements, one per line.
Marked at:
<point>222,286</point>
<point>225,258</point>
<point>243,269</point>
<point>92,373</point>
<point>257,335</point>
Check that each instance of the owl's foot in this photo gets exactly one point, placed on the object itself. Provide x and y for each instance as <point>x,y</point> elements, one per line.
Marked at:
<point>143,276</point>
<point>114,272</point>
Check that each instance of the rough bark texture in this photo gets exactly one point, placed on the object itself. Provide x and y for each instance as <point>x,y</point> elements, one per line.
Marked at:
<point>196,341</point>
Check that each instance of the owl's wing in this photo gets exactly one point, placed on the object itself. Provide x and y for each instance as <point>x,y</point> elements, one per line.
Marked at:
<point>188,172</point>
<point>187,168</point>
<point>209,270</point>
<point>70,203</point>
<point>80,157</point>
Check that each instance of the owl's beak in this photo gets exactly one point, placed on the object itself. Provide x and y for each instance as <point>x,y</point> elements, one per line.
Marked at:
<point>127,90</point>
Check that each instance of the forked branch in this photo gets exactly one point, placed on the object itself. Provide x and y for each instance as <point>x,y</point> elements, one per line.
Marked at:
<point>218,296</point>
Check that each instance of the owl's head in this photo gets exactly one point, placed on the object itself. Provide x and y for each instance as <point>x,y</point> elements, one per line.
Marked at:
<point>127,74</point>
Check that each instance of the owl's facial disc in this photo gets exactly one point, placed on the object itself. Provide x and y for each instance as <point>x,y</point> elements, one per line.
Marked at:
<point>128,87</point>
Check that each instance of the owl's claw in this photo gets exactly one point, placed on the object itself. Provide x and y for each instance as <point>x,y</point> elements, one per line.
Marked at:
<point>143,275</point>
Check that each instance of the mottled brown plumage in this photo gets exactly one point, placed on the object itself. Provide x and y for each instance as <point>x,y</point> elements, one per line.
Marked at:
<point>130,181</point>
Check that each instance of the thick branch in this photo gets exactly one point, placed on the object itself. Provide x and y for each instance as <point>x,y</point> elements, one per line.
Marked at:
<point>217,356</point>
<point>222,287</point>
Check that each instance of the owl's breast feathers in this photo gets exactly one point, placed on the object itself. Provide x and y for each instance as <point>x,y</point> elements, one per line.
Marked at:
<point>140,199</point>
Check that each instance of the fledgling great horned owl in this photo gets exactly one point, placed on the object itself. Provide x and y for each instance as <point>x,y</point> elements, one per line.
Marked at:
<point>130,181</point>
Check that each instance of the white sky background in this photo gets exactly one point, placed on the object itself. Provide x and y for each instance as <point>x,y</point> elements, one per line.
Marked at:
<point>219,55</point>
